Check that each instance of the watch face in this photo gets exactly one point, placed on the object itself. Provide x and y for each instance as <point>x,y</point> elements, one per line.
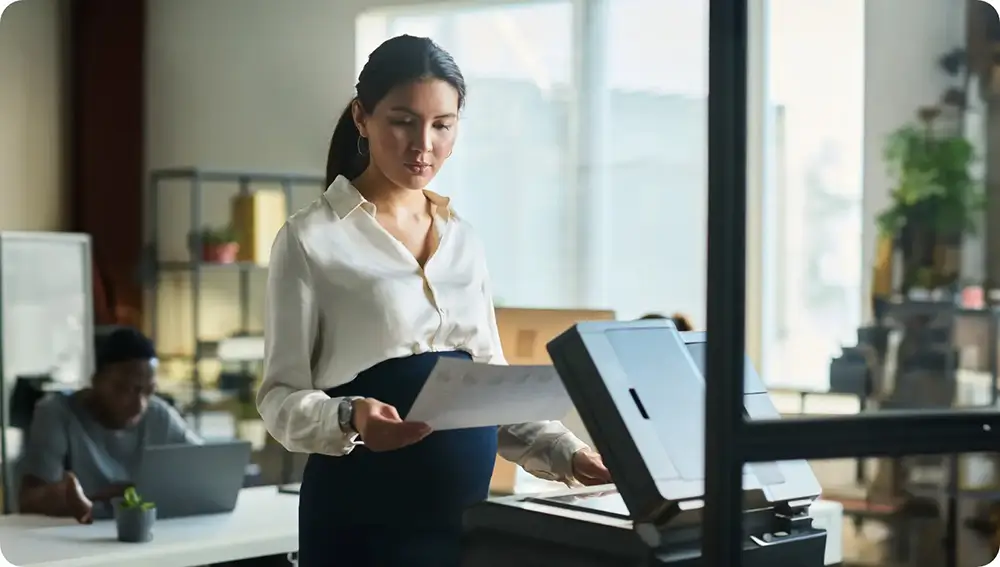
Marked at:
<point>344,414</point>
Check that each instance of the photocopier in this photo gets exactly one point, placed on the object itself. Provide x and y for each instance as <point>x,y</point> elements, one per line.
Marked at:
<point>639,388</point>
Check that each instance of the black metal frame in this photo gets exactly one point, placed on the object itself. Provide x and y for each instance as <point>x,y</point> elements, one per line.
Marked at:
<point>729,440</point>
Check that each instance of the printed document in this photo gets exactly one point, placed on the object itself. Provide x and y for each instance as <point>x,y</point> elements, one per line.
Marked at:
<point>461,394</point>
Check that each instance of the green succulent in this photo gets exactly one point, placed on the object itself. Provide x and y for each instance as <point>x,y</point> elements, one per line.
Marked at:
<point>132,500</point>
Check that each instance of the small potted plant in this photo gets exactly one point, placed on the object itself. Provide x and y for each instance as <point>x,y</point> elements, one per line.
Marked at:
<point>134,518</point>
<point>219,245</point>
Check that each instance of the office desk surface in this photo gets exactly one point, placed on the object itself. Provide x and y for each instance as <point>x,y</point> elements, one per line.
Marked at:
<point>263,523</point>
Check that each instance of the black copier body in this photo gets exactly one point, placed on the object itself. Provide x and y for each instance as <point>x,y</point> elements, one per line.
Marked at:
<point>639,389</point>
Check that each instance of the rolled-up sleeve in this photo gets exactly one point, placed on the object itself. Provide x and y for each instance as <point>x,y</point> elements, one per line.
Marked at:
<point>543,448</point>
<point>299,416</point>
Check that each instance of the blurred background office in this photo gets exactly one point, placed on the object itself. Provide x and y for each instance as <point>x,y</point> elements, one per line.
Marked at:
<point>178,134</point>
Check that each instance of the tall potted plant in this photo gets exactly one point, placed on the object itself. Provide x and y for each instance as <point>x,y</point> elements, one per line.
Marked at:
<point>934,200</point>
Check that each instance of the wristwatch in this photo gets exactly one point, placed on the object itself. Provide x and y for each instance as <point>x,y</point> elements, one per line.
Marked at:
<point>345,414</point>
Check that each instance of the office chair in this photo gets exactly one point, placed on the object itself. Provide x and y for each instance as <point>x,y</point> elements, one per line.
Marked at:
<point>28,390</point>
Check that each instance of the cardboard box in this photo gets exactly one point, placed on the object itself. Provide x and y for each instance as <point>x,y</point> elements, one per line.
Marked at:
<point>523,335</point>
<point>257,218</point>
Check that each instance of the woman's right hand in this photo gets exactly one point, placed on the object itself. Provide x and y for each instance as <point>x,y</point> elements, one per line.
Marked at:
<point>381,428</point>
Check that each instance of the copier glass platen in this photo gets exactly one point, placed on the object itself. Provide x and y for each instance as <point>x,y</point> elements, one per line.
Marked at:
<point>639,388</point>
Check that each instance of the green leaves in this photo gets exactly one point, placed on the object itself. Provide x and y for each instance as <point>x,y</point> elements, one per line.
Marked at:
<point>133,500</point>
<point>934,186</point>
<point>218,236</point>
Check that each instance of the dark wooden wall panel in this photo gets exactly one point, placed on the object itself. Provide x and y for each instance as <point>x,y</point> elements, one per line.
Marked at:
<point>107,98</point>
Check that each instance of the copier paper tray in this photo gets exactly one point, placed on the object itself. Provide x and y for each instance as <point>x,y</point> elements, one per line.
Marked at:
<point>588,528</point>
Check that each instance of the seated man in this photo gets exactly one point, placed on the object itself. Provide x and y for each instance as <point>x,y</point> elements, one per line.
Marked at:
<point>82,447</point>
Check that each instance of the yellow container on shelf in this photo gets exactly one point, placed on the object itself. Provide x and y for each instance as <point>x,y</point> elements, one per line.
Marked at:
<point>257,218</point>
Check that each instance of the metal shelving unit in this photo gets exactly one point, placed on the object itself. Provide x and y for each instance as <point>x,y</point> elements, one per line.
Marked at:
<point>198,181</point>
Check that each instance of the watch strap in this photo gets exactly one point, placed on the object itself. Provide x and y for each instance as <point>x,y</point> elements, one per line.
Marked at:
<point>345,414</point>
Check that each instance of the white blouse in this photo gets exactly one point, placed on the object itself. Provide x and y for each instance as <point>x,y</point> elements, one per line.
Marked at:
<point>343,295</point>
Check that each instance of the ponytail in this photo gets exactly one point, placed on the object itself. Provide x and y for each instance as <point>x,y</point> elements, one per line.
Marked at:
<point>344,158</point>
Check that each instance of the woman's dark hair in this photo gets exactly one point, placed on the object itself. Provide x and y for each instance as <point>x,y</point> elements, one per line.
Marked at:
<point>398,61</point>
<point>680,320</point>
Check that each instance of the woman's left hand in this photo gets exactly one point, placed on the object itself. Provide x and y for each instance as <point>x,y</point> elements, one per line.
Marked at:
<point>589,469</point>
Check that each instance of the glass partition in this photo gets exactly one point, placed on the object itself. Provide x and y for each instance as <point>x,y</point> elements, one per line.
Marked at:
<point>879,270</point>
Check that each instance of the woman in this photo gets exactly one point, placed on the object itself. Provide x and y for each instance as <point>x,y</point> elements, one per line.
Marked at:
<point>368,287</point>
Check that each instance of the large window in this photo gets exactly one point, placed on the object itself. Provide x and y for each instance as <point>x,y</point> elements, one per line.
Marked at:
<point>816,79</point>
<point>583,159</point>
<point>657,87</point>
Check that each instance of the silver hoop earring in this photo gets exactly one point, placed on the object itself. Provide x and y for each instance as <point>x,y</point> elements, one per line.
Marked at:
<point>360,151</point>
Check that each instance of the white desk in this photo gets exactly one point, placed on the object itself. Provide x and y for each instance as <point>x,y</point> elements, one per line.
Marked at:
<point>263,523</point>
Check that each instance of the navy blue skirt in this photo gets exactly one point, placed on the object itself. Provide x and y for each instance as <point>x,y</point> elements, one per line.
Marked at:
<point>401,507</point>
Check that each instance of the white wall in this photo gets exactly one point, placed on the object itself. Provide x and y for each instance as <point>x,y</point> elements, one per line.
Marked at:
<point>253,84</point>
<point>904,40</point>
<point>32,116</point>
<point>238,84</point>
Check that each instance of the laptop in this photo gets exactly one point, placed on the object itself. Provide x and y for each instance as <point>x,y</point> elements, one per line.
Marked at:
<point>192,480</point>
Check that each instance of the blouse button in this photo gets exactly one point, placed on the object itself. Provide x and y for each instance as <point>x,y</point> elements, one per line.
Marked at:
<point>416,348</point>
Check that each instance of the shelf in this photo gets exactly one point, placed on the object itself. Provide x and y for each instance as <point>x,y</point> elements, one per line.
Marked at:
<point>917,308</point>
<point>223,176</point>
<point>213,266</point>
<point>248,348</point>
<point>194,181</point>
<point>991,495</point>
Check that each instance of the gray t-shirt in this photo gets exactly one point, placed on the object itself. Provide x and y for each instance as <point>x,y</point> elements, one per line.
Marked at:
<point>64,437</point>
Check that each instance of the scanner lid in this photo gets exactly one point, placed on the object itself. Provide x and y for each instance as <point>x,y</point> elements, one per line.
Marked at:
<point>640,391</point>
